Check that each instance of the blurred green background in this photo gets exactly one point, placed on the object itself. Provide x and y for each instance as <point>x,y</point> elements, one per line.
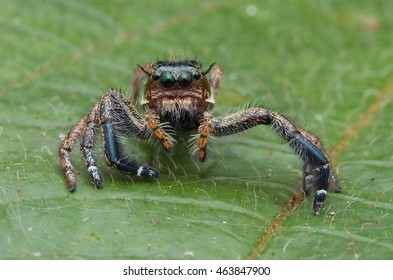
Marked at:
<point>325,64</point>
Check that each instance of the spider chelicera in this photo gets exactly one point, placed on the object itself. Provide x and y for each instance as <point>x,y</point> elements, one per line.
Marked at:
<point>178,97</point>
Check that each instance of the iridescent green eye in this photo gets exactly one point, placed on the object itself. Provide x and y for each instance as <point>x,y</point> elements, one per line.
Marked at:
<point>167,80</point>
<point>184,80</point>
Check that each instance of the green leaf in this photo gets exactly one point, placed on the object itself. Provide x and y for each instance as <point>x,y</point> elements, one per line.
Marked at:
<point>326,65</point>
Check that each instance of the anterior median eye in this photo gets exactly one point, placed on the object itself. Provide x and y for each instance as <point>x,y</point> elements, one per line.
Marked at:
<point>184,80</point>
<point>167,80</point>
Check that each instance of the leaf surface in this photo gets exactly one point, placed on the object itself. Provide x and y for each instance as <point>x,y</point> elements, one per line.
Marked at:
<point>323,64</point>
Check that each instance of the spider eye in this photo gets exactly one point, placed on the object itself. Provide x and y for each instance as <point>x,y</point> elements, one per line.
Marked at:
<point>155,76</point>
<point>197,76</point>
<point>184,80</point>
<point>167,80</point>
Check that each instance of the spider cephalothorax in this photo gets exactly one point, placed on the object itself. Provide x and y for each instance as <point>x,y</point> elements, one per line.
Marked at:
<point>178,97</point>
<point>178,92</point>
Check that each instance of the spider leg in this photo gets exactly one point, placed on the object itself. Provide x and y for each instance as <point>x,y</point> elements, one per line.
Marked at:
<point>85,129</point>
<point>87,146</point>
<point>306,145</point>
<point>116,158</point>
<point>215,81</point>
<point>316,170</point>
<point>119,117</point>
<point>65,153</point>
<point>138,75</point>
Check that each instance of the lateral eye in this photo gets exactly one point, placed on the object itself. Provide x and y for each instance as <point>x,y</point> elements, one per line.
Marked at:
<point>184,80</point>
<point>196,76</point>
<point>155,76</point>
<point>167,80</point>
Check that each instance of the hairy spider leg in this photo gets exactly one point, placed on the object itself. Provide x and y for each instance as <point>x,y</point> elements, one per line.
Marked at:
<point>139,73</point>
<point>204,130</point>
<point>65,150</point>
<point>87,145</point>
<point>316,170</point>
<point>119,117</point>
<point>317,167</point>
<point>215,81</point>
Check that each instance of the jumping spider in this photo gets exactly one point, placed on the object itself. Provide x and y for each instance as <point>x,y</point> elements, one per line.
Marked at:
<point>178,97</point>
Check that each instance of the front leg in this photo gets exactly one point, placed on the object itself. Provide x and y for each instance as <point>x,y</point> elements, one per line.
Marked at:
<point>119,117</point>
<point>306,145</point>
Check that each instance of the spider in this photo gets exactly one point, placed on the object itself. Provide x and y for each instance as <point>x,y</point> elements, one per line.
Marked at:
<point>177,98</point>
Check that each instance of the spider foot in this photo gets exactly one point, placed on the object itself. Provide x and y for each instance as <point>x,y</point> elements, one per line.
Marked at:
<point>147,172</point>
<point>319,200</point>
<point>71,180</point>
<point>71,188</point>
<point>134,168</point>
<point>96,176</point>
<point>318,179</point>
